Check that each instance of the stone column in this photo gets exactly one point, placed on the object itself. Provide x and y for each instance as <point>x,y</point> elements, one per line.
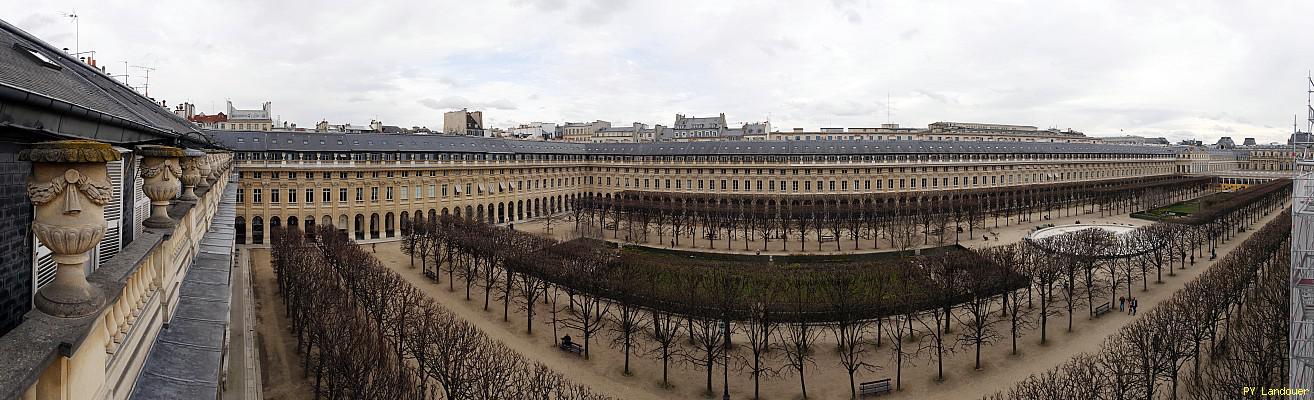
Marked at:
<point>203,163</point>
<point>160,173</point>
<point>191,174</point>
<point>69,187</point>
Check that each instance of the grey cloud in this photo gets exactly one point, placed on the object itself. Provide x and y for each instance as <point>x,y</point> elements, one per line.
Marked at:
<point>552,60</point>
<point>600,11</point>
<point>456,102</point>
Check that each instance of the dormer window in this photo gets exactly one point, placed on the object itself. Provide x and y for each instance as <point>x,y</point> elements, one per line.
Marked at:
<point>38,56</point>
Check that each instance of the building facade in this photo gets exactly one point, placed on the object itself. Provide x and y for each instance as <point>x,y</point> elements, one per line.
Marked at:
<point>581,132</point>
<point>464,122</point>
<point>1135,140</point>
<point>1268,157</point>
<point>369,185</point>
<point>248,120</point>
<point>535,131</point>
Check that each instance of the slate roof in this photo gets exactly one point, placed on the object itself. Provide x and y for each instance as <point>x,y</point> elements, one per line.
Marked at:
<point>187,358</point>
<point>329,142</point>
<point>75,88</point>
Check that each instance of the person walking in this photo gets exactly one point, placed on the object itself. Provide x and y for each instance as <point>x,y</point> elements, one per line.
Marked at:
<point>1121,301</point>
<point>1133,306</point>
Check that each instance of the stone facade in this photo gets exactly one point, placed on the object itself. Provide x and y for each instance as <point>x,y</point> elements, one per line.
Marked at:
<point>372,193</point>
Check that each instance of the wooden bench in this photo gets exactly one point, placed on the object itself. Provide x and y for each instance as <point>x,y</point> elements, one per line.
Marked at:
<point>875,388</point>
<point>1103,308</point>
<point>572,347</point>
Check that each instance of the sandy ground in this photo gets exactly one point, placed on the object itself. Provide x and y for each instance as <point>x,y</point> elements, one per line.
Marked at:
<point>280,364</point>
<point>826,379</point>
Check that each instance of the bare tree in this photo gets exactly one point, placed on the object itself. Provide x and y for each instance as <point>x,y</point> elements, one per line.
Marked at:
<point>758,328</point>
<point>796,338</point>
<point>665,331</point>
<point>850,326</point>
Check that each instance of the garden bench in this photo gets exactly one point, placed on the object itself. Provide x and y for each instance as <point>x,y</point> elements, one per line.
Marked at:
<point>1103,308</point>
<point>875,388</point>
<point>572,347</point>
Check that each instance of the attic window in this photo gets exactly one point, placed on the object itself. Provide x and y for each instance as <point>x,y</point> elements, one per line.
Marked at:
<point>38,56</point>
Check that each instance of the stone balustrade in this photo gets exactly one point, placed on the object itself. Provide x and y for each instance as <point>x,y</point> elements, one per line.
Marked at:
<point>94,347</point>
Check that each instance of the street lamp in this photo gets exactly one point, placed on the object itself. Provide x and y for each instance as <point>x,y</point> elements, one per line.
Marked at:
<point>725,351</point>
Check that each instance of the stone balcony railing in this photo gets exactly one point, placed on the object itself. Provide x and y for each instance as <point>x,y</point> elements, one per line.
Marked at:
<point>99,353</point>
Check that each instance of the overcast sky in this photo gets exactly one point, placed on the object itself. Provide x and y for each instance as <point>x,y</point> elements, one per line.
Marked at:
<point>1191,70</point>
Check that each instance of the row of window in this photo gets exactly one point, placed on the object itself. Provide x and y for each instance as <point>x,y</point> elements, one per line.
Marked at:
<point>327,175</point>
<point>759,185</point>
<point>928,157</point>
<point>403,192</point>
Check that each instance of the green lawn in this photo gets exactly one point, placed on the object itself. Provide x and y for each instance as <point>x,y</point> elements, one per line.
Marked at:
<point>1182,209</point>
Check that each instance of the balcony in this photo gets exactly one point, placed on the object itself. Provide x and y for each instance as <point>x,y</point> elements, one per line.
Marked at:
<point>102,353</point>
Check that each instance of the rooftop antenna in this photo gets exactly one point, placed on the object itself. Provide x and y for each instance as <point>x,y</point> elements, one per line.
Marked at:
<point>146,86</point>
<point>887,108</point>
<point>77,31</point>
<point>126,73</point>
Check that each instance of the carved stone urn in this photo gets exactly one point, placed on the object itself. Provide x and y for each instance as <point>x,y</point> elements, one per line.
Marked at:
<point>191,174</point>
<point>69,187</point>
<point>160,173</point>
<point>203,164</point>
<point>216,165</point>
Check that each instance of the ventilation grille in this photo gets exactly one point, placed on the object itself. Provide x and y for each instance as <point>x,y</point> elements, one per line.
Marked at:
<point>141,207</point>
<point>45,268</point>
<point>113,241</point>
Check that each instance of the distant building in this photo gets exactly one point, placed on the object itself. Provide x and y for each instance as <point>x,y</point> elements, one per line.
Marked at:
<point>1268,157</point>
<point>756,131</point>
<point>582,131</point>
<point>248,120</point>
<point>885,132</point>
<point>209,121</point>
<point>1135,140</point>
<point>535,130</point>
<point>621,134</point>
<point>325,127</point>
<point>1248,142</point>
<point>1225,143</point>
<point>464,122</point>
<point>695,129</point>
<point>974,131</point>
<point>1301,139</point>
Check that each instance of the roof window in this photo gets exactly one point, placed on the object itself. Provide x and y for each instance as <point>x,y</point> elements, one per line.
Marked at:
<point>38,56</point>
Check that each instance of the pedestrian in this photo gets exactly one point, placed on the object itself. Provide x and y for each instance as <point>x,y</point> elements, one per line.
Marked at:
<point>1134,303</point>
<point>1121,300</point>
<point>372,248</point>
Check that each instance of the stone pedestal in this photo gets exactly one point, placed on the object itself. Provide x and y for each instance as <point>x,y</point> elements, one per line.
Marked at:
<point>191,174</point>
<point>160,173</point>
<point>69,187</point>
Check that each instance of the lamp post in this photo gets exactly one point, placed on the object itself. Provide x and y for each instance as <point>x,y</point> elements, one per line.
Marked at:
<point>725,351</point>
